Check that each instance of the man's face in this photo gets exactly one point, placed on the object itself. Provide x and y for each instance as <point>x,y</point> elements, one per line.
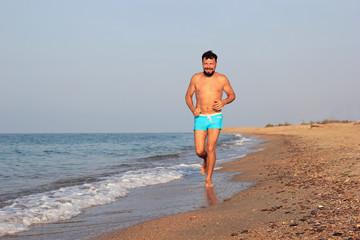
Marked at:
<point>209,66</point>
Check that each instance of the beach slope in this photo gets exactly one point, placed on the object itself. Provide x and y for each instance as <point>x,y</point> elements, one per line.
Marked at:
<point>306,185</point>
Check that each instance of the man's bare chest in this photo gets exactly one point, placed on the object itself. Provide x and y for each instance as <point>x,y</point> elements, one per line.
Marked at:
<point>206,87</point>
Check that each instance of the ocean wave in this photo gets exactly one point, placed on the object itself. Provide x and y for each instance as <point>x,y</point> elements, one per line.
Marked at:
<point>75,181</point>
<point>93,174</point>
<point>160,157</point>
<point>242,140</point>
<point>67,202</point>
<point>236,140</point>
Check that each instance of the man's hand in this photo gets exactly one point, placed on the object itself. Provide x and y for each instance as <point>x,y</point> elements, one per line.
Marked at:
<point>197,112</point>
<point>218,105</point>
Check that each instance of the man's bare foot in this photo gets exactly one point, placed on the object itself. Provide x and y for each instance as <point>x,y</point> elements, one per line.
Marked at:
<point>209,185</point>
<point>204,168</point>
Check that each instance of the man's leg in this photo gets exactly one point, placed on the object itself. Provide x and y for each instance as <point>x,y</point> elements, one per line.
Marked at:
<point>212,137</point>
<point>200,138</point>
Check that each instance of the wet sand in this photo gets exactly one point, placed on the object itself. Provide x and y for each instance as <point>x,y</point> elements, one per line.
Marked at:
<point>306,186</point>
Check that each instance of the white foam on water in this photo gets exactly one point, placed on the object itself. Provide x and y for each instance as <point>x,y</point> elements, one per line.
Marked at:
<point>242,140</point>
<point>67,202</point>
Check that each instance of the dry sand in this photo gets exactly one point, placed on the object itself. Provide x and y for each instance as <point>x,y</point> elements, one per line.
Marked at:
<point>307,186</point>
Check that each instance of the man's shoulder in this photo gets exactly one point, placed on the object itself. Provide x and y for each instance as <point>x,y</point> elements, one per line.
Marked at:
<point>219,75</point>
<point>197,76</point>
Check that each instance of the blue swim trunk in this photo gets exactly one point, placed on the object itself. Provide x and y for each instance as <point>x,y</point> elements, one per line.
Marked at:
<point>205,121</point>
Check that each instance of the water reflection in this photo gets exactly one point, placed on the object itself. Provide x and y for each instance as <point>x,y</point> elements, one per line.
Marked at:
<point>210,196</point>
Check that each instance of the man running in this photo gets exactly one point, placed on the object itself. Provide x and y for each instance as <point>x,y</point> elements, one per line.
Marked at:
<point>208,87</point>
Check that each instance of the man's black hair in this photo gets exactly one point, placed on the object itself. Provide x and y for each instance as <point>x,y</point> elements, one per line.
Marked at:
<point>209,55</point>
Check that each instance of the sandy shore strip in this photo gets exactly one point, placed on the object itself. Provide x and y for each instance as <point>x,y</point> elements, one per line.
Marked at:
<point>306,186</point>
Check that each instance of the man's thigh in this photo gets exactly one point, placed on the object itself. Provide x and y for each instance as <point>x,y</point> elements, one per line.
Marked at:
<point>212,136</point>
<point>200,139</point>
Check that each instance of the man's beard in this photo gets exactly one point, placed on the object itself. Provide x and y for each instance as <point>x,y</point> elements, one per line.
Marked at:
<point>209,74</point>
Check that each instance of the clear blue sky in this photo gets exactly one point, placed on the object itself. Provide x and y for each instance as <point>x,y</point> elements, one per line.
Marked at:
<point>124,66</point>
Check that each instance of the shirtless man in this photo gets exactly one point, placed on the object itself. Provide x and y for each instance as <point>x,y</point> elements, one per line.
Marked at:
<point>208,87</point>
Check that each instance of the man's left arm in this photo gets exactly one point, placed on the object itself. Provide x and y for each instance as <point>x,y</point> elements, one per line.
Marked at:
<point>219,104</point>
<point>229,92</point>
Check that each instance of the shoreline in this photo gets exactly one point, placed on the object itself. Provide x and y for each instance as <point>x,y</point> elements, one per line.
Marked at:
<point>306,185</point>
<point>152,201</point>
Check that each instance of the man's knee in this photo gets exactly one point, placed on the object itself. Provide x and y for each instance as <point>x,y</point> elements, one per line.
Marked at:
<point>210,148</point>
<point>201,153</point>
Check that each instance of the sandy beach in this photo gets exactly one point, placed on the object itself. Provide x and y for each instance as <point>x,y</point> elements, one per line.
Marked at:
<point>306,186</point>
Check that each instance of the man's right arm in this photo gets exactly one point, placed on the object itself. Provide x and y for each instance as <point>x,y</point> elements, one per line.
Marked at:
<point>188,97</point>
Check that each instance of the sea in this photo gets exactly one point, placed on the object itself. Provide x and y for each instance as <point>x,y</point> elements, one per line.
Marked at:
<point>76,186</point>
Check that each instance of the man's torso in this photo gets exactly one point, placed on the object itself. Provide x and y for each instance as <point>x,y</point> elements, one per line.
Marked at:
<point>207,90</point>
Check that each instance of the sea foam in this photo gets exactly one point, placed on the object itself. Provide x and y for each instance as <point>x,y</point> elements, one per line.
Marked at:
<point>67,202</point>
<point>241,140</point>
